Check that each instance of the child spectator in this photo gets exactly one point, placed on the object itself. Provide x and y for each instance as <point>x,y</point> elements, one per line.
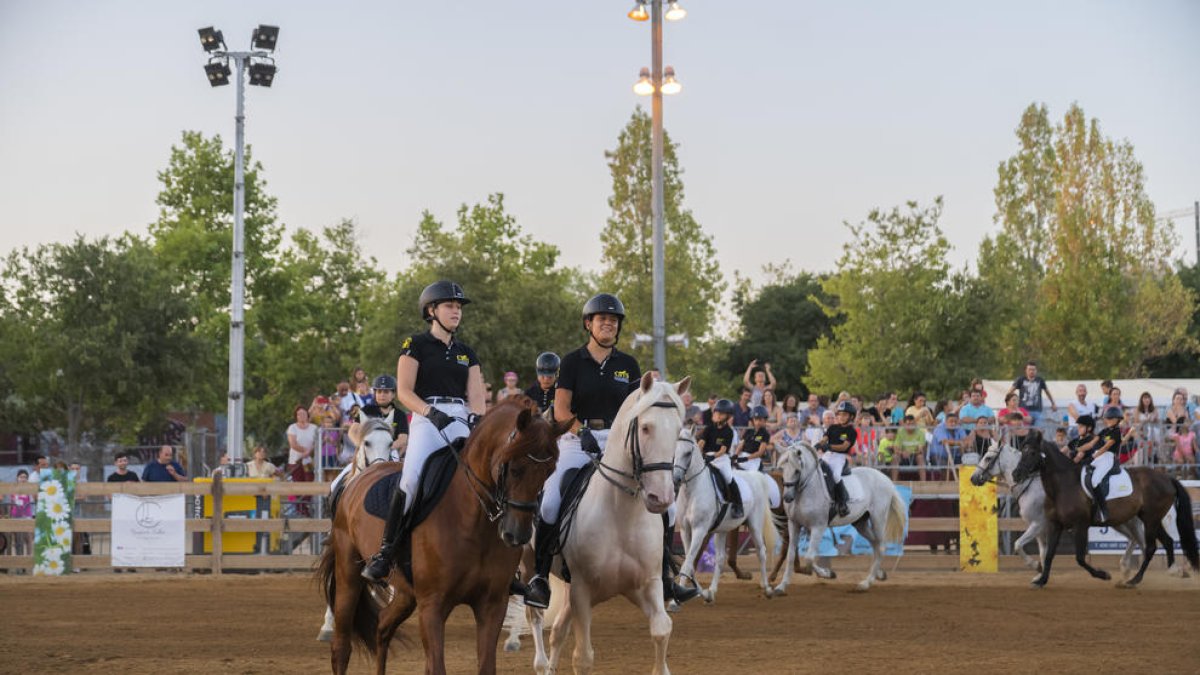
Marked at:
<point>886,451</point>
<point>910,443</point>
<point>868,438</point>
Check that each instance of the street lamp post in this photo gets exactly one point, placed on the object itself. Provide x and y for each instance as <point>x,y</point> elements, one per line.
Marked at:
<point>655,87</point>
<point>261,67</point>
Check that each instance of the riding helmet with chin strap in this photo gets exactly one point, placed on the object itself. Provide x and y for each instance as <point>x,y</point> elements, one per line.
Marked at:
<point>846,407</point>
<point>1114,414</point>
<point>604,303</point>
<point>439,292</point>
<point>759,412</point>
<point>547,364</point>
<point>1086,421</point>
<point>724,406</point>
<point>384,382</point>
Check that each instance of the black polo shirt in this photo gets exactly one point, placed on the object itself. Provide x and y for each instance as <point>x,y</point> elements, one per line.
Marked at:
<point>542,397</point>
<point>442,369</point>
<point>840,433</point>
<point>399,420</point>
<point>598,389</point>
<point>129,477</point>
<point>715,438</point>
<point>755,438</point>
<point>1110,434</point>
<point>1074,446</point>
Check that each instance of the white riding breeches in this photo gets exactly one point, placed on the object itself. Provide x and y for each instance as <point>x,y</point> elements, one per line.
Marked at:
<point>424,439</point>
<point>1100,467</point>
<point>570,456</point>
<point>836,462</point>
<point>723,465</point>
<point>754,465</point>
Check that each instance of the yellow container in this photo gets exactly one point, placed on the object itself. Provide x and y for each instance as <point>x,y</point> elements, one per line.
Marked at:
<point>234,506</point>
<point>978,526</point>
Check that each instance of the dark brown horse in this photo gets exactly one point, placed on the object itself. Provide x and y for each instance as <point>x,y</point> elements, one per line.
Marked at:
<point>464,553</point>
<point>1068,507</point>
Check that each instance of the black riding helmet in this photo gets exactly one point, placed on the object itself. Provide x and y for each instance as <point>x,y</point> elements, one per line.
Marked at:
<point>1114,414</point>
<point>604,303</point>
<point>384,382</point>
<point>438,292</point>
<point>759,412</point>
<point>547,364</point>
<point>846,407</point>
<point>1086,421</point>
<point>724,406</point>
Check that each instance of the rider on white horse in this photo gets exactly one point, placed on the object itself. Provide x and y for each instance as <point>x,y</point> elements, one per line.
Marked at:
<point>593,383</point>
<point>439,379</point>
<point>839,438</point>
<point>755,444</point>
<point>716,442</point>
<point>383,408</point>
<point>1101,455</point>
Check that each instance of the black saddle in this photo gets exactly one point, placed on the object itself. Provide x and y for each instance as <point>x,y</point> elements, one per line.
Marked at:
<point>718,480</point>
<point>574,484</point>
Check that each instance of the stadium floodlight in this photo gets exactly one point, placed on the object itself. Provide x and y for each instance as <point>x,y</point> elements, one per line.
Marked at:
<point>643,87</point>
<point>639,12</point>
<point>674,11</point>
<point>265,37</point>
<point>211,39</point>
<point>218,73</point>
<point>262,74</point>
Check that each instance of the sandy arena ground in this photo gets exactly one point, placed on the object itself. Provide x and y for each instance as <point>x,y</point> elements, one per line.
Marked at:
<point>926,618</point>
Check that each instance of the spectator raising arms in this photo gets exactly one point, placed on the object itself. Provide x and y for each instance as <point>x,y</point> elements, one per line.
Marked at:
<point>762,381</point>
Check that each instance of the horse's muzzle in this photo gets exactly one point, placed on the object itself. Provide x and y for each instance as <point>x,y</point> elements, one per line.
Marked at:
<point>789,496</point>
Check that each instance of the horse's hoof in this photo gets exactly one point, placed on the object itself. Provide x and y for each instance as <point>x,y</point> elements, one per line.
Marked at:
<point>709,598</point>
<point>673,607</point>
<point>1037,584</point>
<point>881,576</point>
<point>744,576</point>
<point>862,587</point>
<point>325,636</point>
<point>512,646</point>
<point>1102,575</point>
<point>780,591</point>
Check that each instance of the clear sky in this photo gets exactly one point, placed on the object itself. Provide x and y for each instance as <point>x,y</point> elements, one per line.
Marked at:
<point>794,116</point>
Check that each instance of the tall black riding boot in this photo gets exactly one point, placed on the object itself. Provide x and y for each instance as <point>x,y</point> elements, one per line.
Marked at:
<point>840,498</point>
<point>672,590</point>
<point>380,564</point>
<point>735,500</point>
<point>537,593</point>
<point>1100,494</point>
<point>832,487</point>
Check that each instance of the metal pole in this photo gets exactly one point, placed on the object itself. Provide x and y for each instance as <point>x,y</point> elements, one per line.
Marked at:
<point>237,327</point>
<point>656,108</point>
<point>1197,207</point>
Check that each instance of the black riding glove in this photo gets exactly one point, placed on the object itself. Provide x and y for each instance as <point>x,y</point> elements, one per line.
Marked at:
<point>473,420</point>
<point>439,419</point>
<point>588,442</point>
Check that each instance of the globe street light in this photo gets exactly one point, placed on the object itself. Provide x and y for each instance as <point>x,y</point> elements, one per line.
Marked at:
<point>655,82</point>
<point>261,67</point>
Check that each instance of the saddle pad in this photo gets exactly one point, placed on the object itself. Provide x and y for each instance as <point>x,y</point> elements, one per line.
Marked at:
<point>379,497</point>
<point>1119,485</point>
<point>854,488</point>
<point>744,490</point>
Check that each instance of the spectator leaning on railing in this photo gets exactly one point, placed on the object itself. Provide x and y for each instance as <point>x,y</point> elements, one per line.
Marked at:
<point>122,474</point>
<point>910,445</point>
<point>164,469</point>
<point>974,410</point>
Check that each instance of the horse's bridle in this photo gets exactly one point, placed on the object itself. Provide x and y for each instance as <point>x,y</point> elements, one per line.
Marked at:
<point>497,496</point>
<point>801,480</point>
<point>640,468</point>
<point>686,478</point>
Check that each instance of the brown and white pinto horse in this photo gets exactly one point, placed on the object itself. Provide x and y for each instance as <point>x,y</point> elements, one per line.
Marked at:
<point>464,553</point>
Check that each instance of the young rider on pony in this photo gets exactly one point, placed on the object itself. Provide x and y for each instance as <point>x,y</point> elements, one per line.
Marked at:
<point>542,391</point>
<point>716,442</point>
<point>593,383</point>
<point>439,379</point>
<point>1086,425</point>
<point>757,441</point>
<point>384,408</point>
<point>839,438</point>
<point>1101,454</point>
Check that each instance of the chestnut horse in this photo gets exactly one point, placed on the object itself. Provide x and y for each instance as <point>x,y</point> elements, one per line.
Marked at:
<point>464,553</point>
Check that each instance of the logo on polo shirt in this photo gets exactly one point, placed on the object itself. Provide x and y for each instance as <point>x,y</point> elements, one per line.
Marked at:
<point>407,343</point>
<point>621,376</point>
<point>463,360</point>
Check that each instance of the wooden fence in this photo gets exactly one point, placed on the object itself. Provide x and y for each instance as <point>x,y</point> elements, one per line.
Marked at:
<point>217,490</point>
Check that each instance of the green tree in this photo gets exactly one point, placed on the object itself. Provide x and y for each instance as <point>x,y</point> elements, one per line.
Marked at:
<point>779,323</point>
<point>193,237</point>
<point>524,302</point>
<point>907,320</point>
<point>1080,275</point>
<point>310,333</point>
<point>693,274</point>
<point>1182,362</point>
<point>96,334</point>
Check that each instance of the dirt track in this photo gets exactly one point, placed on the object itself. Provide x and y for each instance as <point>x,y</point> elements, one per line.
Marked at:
<point>919,621</point>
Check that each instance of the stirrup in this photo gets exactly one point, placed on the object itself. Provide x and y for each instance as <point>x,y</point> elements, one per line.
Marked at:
<point>537,593</point>
<point>378,567</point>
<point>680,594</point>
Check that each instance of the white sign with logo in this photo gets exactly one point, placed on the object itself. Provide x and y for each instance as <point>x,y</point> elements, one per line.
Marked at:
<point>148,531</point>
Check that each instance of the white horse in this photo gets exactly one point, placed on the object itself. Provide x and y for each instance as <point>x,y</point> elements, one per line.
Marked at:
<point>1000,460</point>
<point>614,546</point>
<point>876,511</point>
<point>699,506</point>
<point>373,440</point>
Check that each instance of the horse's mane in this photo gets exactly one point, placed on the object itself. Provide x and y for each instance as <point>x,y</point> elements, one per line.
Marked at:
<point>374,424</point>
<point>647,399</point>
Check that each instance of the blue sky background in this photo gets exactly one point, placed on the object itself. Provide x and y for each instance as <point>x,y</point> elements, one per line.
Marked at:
<point>794,116</point>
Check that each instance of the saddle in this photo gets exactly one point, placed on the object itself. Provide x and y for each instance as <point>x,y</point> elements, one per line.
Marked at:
<point>1118,482</point>
<point>435,479</point>
<point>574,484</point>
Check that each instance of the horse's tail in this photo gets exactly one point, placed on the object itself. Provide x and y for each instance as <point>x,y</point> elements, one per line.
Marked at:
<point>769,535</point>
<point>1187,525</point>
<point>366,613</point>
<point>897,518</point>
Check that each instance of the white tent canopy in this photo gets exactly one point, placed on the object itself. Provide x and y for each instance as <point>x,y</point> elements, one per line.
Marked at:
<point>1063,391</point>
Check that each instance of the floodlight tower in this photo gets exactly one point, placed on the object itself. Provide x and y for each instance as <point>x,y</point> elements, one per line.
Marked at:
<point>261,66</point>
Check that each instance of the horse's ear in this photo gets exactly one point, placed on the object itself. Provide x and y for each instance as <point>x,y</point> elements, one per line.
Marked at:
<point>523,419</point>
<point>647,381</point>
<point>355,433</point>
<point>683,385</point>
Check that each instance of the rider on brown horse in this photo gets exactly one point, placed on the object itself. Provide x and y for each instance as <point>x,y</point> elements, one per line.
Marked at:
<point>1100,453</point>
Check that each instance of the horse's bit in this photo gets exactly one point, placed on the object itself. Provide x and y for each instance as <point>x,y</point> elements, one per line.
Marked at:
<point>639,466</point>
